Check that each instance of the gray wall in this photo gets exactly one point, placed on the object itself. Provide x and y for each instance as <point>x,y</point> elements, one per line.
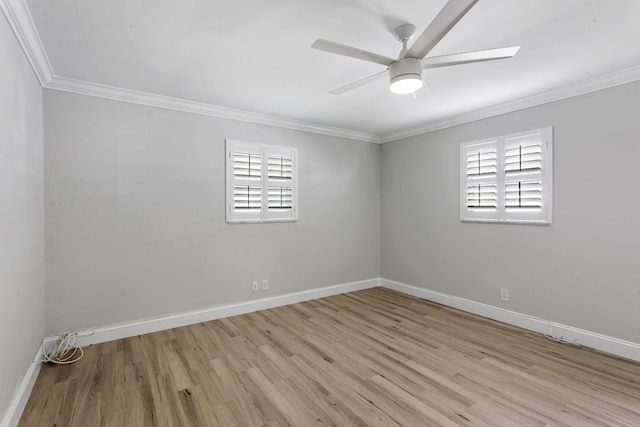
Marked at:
<point>21,215</point>
<point>135,213</point>
<point>586,270</point>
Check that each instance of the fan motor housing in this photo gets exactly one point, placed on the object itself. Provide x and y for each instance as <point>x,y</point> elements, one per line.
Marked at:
<point>405,69</point>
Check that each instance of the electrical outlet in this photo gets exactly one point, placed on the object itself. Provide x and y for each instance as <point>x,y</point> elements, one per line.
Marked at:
<point>256,285</point>
<point>265,285</point>
<point>504,294</point>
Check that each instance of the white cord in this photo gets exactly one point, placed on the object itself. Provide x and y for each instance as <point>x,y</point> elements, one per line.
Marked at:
<point>561,339</point>
<point>250,295</point>
<point>65,349</point>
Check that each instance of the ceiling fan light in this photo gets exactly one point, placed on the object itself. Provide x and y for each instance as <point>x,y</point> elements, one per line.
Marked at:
<point>407,83</point>
<point>405,76</point>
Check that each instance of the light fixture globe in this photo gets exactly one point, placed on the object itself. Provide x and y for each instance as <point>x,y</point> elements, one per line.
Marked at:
<point>405,76</point>
<point>405,84</point>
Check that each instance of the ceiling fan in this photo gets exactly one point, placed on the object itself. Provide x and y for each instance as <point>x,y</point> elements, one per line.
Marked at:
<point>405,72</point>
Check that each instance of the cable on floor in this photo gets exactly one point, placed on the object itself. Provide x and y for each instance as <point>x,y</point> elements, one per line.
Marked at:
<point>552,336</point>
<point>65,350</point>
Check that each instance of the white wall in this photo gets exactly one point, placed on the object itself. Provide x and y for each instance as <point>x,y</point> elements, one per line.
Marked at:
<point>135,213</point>
<point>587,269</point>
<point>21,215</point>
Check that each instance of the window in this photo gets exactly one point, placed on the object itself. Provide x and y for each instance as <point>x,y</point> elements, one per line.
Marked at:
<point>507,179</point>
<point>261,183</point>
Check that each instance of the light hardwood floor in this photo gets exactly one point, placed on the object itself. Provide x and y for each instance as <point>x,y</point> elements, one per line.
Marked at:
<point>368,358</point>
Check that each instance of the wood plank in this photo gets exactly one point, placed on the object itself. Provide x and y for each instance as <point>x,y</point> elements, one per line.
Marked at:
<point>368,358</point>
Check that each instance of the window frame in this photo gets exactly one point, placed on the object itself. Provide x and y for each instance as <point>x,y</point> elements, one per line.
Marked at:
<point>264,182</point>
<point>501,214</point>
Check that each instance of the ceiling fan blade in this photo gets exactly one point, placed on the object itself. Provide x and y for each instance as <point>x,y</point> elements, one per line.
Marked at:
<point>352,52</point>
<point>469,57</point>
<point>449,16</point>
<point>359,83</point>
<point>424,91</point>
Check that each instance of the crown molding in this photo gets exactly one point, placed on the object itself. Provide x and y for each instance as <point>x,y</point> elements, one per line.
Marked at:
<point>23,27</point>
<point>616,78</point>
<point>21,22</point>
<point>144,98</point>
<point>19,18</point>
<point>575,89</point>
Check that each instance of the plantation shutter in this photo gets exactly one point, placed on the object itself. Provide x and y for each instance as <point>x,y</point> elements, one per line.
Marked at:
<point>261,183</point>
<point>244,191</point>
<point>281,185</point>
<point>508,178</point>
<point>479,181</point>
<point>524,164</point>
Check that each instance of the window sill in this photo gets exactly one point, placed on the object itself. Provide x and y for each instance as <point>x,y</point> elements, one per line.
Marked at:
<point>514,222</point>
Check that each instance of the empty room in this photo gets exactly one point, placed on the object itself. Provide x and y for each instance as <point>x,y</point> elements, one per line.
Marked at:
<point>336,213</point>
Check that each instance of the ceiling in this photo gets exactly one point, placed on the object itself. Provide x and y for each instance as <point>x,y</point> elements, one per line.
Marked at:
<point>255,55</point>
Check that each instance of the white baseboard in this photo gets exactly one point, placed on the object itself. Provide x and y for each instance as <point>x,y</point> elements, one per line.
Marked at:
<point>101,334</point>
<point>175,320</point>
<point>612,345</point>
<point>145,326</point>
<point>583,337</point>
<point>21,396</point>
